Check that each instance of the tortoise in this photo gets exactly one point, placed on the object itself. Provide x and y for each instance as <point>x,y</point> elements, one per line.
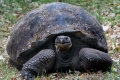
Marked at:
<point>58,37</point>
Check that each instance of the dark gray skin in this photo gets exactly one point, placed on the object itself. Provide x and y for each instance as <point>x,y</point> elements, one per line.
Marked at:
<point>70,56</point>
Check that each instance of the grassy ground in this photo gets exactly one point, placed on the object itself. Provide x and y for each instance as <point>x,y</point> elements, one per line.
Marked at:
<point>106,11</point>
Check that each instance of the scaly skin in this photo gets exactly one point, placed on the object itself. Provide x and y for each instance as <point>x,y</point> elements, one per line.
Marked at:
<point>42,62</point>
<point>94,60</point>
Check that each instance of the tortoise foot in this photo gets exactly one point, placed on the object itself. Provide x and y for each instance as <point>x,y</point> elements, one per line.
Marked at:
<point>39,64</point>
<point>95,60</point>
<point>27,75</point>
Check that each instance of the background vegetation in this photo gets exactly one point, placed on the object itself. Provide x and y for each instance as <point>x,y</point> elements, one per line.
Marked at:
<point>106,11</point>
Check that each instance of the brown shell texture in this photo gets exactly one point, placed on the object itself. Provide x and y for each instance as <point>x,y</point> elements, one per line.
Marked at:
<point>55,18</point>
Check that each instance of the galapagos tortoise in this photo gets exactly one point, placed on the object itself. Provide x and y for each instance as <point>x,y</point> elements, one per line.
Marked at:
<point>58,37</point>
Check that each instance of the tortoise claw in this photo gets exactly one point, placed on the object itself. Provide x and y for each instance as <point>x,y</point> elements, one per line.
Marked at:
<point>27,75</point>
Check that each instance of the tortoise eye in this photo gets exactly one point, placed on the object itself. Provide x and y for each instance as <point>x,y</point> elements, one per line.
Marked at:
<point>66,38</point>
<point>57,40</point>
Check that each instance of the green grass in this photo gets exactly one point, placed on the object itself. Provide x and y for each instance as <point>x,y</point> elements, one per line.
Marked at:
<point>12,10</point>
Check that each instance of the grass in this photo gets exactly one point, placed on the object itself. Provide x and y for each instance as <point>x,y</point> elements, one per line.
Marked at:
<point>105,11</point>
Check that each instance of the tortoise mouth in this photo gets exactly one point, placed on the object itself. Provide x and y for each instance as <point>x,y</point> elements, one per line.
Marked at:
<point>63,47</point>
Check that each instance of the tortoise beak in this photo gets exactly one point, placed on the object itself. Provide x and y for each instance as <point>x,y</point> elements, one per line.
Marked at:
<point>61,41</point>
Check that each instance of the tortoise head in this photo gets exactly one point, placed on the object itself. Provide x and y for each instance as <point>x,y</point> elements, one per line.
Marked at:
<point>63,43</point>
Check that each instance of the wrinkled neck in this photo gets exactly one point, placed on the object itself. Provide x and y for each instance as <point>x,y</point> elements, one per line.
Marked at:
<point>64,54</point>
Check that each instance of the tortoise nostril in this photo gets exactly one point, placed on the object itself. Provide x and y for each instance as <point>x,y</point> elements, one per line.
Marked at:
<point>61,41</point>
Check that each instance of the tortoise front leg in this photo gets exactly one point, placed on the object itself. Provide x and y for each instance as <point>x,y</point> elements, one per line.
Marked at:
<point>42,62</point>
<point>94,60</point>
